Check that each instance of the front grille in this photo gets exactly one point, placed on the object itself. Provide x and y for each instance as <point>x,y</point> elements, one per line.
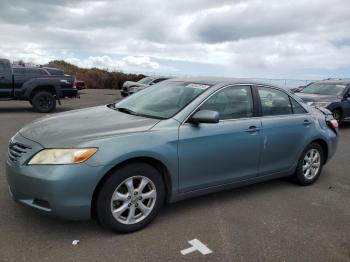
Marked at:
<point>16,150</point>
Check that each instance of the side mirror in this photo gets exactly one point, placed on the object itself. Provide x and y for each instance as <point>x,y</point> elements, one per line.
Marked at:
<point>206,116</point>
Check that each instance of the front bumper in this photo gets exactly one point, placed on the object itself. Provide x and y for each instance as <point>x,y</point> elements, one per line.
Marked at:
<point>63,191</point>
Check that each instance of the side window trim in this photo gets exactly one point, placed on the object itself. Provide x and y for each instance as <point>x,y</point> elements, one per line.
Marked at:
<point>281,90</point>
<point>251,87</point>
<point>291,99</point>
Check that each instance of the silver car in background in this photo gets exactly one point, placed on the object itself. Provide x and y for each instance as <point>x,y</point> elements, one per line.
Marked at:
<point>130,87</point>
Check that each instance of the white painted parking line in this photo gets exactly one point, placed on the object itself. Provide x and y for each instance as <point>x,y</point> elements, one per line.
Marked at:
<point>196,246</point>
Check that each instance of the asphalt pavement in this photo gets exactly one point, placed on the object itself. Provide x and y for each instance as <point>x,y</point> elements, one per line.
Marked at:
<point>271,221</point>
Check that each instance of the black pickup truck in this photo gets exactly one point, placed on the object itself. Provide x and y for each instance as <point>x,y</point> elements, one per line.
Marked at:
<point>36,85</point>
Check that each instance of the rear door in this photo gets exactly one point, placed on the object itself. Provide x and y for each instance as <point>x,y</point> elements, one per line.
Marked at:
<point>285,126</point>
<point>6,87</point>
<point>218,154</point>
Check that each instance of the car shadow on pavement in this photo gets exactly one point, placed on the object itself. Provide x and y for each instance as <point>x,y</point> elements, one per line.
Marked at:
<point>229,195</point>
<point>172,211</point>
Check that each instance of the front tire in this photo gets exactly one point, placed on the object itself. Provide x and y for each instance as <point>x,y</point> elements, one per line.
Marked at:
<point>310,165</point>
<point>130,198</point>
<point>44,102</point>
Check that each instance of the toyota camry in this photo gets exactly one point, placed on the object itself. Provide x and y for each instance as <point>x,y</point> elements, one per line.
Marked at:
<point>121,162</point>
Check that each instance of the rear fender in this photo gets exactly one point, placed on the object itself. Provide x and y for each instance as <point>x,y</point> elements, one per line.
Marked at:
<point>30,86</point>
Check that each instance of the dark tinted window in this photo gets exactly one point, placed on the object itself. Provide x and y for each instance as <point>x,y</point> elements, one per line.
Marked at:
<point>18,71</point>
<point>146,80</point>
<point>297,108</point>
<point>2,68</point>
<point>231,103</point>
<point>274,102</point>
<point>55,72</point>
<point>158,80</point>
<point>35,71</point>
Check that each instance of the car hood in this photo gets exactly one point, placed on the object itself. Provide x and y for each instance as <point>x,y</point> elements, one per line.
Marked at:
<point>74,127</point>
<point>316,97</point>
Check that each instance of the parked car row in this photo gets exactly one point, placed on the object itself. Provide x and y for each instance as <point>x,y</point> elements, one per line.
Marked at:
<point>331,94</point>
<point>131,87</point>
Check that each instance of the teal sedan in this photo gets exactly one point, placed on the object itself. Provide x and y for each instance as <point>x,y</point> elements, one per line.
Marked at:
<point>181,138</point>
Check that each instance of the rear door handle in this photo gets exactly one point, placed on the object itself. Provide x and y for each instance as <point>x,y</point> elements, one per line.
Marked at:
<point>306,123</point>
<point>252,129</point>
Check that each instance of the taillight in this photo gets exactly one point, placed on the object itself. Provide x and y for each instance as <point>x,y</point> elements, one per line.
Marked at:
<point>333,124</point>
<point>75,84</point>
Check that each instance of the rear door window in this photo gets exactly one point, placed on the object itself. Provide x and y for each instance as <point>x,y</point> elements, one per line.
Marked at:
<point>274,102</point>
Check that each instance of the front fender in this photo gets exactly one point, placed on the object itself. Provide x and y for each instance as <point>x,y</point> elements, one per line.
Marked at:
<point>160,146</point>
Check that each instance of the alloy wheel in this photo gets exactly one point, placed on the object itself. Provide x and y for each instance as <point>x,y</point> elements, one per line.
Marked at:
<point>311,163</point>
<point>133,200</point>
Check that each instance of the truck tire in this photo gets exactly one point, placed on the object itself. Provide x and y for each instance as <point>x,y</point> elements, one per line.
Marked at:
<point>44,102</point>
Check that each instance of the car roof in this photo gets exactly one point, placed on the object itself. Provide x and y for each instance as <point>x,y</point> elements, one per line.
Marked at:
<point>223,80</point>
<point>52,68</point>
<point>26,67</point>
<point>335,81</point>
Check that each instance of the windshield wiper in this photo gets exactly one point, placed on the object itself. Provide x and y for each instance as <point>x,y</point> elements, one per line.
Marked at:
<point>126,110</point>
<point>131,112</point>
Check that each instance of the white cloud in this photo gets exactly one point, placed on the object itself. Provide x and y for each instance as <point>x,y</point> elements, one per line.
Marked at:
<point>270,37</point>
<point>140,62</point>
<point>107,62</point>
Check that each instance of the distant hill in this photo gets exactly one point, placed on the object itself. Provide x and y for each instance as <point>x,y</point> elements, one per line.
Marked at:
<point>94,77</point>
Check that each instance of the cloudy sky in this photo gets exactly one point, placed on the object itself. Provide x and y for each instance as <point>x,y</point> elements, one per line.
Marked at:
<point>300,39</point>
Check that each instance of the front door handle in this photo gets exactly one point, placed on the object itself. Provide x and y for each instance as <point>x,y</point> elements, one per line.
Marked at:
<point>306,123</point>
<point>252,129</point>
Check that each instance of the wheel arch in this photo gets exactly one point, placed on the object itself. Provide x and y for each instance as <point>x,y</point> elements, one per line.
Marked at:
<point>37,89</point>
<point>159,165</point>
<point>324,146</point>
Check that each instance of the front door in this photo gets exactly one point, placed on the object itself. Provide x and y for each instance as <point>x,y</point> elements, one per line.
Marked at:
<point>218,154</point>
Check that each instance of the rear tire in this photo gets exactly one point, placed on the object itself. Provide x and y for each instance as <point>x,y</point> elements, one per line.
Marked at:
<point>130,198</point>
<point>310,165</point>
<point>337,114</point>
<point>44,102</point>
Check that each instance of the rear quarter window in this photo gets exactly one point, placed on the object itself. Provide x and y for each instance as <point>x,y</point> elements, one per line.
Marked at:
<point>297,108</point>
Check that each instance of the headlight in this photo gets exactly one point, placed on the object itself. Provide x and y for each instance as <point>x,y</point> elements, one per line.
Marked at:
<point>320,104</point>
<point>62,156</point>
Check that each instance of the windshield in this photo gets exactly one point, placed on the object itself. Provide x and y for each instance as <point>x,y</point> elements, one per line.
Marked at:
<point>324,89</point>
<point>162,100</point>
<point>145,80</point>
